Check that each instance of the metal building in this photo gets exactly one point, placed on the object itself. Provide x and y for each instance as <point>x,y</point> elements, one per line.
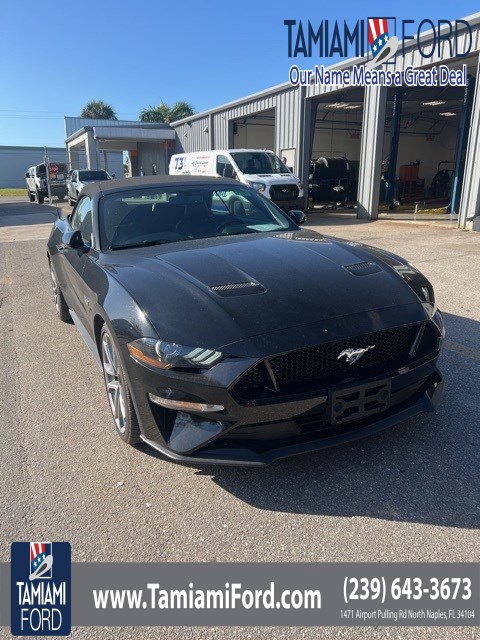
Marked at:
<point>100,144</point>
<point>289,120</point>
<point>14,162</point>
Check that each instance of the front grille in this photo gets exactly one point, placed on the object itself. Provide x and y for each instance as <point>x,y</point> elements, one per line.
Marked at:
<point>320,366</point>
<point>282,192</point>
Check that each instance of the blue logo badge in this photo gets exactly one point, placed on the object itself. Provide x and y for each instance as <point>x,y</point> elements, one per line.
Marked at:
<point>40,585</point>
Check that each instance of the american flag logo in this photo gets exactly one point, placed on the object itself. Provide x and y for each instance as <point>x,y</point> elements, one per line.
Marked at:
<point>377,34</point>
<point>41,560</point>
<point>382,45</point>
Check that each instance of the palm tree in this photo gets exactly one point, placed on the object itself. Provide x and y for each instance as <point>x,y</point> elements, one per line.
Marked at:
<point>98,109</point>
<point>164,113</point>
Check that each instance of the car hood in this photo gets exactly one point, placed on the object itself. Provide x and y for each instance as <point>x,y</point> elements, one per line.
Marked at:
<point>218,291</point>
<point>272,178</point>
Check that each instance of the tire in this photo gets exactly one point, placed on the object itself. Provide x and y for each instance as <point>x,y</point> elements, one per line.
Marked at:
<point>118,392</point>
<point>30,196</point>
<point>40,197</point>
<point>60,305</point>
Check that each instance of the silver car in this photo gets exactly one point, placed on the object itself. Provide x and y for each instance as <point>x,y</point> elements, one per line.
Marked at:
<point>79,178</point>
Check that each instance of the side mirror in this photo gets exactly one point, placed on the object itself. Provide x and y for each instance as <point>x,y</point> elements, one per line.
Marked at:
<point>297,216</point>
<point>27,175</point>
<point>113,176</point>
<point>74,240</point>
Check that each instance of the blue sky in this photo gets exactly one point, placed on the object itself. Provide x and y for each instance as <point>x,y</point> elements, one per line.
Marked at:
<point>135,54</point>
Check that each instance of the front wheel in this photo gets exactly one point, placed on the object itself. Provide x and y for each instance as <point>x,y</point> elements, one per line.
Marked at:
<point>30,196</point>
<point>60,305</point>
<point>118,393</point>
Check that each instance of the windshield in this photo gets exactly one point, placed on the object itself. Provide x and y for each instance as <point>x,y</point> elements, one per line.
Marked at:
<point>157,216</point>
<point>89,176</point>
<point>255,162</point>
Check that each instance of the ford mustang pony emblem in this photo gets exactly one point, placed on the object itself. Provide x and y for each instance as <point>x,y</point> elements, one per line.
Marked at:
<point>352,355</point>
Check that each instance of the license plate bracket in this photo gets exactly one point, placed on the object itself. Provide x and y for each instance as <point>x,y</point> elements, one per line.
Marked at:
<point>355,403</point>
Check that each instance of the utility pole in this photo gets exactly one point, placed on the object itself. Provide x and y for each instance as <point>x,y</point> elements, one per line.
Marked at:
<point>47,175</point>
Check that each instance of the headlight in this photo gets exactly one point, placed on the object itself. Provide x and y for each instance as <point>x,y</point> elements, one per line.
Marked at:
<point>417,281</point>
<point>169,355</point>
<point>258,186</point>
<point>437,320</point>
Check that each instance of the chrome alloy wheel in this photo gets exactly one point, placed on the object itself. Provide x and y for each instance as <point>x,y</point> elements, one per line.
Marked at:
<point>55,289</point>
<point>114,383</point>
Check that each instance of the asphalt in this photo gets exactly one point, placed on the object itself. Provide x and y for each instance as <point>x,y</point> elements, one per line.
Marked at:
<point>408,494</point>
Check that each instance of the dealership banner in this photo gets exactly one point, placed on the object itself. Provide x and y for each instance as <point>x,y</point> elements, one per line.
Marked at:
<point>45,598</point>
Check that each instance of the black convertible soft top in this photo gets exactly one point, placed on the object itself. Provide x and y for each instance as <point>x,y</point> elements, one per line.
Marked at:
<point>112,186</point>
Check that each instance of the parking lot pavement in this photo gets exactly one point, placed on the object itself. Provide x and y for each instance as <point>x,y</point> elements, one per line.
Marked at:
<point>407,494</point>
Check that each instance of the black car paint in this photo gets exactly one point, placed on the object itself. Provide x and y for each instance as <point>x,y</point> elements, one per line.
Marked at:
<point>165,292</point>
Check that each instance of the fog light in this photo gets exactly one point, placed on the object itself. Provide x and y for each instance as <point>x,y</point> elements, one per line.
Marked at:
<point>183,405</point>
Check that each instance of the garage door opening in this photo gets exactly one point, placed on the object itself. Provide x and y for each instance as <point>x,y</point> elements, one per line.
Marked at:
<point>255,131</point>
<point>424,148</point>
<point>335,156</point>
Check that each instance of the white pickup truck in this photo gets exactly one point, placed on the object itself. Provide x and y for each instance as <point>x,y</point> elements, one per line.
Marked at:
<point>261,170</point>
<point>36,179</point>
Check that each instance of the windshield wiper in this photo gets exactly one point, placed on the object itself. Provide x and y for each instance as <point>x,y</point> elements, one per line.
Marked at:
<point>134,245</point>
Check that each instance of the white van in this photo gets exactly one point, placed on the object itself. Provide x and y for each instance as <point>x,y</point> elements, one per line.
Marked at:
<point>262,170</point>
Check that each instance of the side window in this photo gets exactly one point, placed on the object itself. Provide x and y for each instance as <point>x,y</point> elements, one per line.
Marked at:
<point>224,167</point>
<point>82,218</point>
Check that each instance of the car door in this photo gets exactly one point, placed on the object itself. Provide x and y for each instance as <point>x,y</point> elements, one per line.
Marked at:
<point>74,259</point>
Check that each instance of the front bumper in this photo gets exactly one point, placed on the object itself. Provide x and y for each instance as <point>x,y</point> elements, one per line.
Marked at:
<point>255,434</point>
<point>289,205</point>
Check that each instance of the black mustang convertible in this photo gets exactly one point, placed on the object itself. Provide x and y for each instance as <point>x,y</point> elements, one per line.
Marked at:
<point>229,335</point>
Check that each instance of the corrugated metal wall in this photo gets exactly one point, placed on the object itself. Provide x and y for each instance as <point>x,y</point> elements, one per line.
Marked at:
<point>193,136</point>
<point>14,162</point>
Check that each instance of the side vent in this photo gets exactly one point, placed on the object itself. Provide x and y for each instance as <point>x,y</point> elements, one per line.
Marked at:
<point>363,268</point>
<point>238,289</point>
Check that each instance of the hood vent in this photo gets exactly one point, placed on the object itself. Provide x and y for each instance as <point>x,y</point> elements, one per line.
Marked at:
<point>363,268</point>
<point>238,288</point>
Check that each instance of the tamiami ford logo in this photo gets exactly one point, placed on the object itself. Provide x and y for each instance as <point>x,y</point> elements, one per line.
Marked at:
<point>381,40</point>
<point>40,587</point>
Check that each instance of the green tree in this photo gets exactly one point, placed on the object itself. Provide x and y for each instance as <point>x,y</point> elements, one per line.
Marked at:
<point>98,109</point>
<point>164,113</point>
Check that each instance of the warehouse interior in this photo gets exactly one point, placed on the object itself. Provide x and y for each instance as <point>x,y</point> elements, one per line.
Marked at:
<point>335,154</point>
<point>424,146</point>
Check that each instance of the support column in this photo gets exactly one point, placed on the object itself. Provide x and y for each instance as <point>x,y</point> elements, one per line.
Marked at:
<point>460,151</point>
<point>308,110</point>
<point>469,211</point>
<point>394,139</point>
<point>371,148</point>
<point>69,154</point>
<point>91,151</point>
